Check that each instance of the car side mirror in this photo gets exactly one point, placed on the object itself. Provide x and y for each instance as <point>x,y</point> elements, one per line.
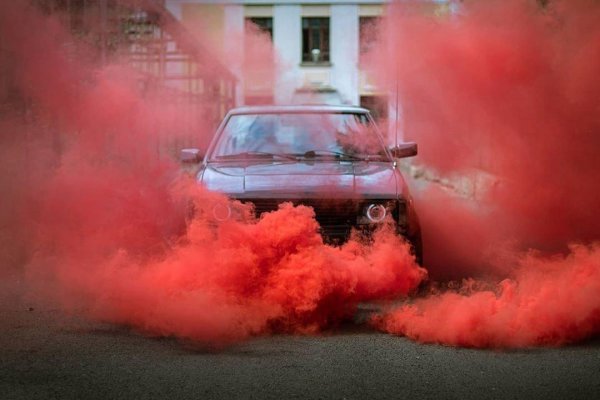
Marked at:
<point>408,149</point>
<point>192,156</point>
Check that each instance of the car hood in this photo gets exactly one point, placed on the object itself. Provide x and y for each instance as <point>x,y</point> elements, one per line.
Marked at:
<point>305,179</point>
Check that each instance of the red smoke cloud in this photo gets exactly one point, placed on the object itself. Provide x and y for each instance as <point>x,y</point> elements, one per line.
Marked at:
<point>215,286</point>
<point>549,301</point>
<point>104,220</point>
<point>505,87</point>
<point>510,89</point>
<point>505,96</point>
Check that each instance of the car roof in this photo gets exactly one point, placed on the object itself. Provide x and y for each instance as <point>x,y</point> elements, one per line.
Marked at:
<point>276,109</point>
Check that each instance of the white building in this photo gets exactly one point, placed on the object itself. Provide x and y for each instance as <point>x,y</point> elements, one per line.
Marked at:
<point>319,44</point>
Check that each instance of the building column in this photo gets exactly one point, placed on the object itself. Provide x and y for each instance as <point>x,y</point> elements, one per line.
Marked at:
<point>287,40</point>
<point>234,35</point>
<point>344,42</point>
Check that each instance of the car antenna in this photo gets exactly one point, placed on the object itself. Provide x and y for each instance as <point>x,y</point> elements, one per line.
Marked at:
<point>397,65</point>
<point>397,103</point>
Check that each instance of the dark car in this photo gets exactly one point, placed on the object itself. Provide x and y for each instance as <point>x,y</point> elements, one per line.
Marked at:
<point>331,158</point>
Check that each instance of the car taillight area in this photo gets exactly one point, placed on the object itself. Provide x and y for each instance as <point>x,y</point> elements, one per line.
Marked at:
<point>337,217</point>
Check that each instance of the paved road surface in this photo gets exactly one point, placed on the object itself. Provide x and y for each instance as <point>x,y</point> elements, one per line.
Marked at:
<point>44,354</point>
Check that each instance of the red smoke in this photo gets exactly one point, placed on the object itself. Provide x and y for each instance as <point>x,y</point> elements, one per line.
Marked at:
<point>505,92</point>
<point>104,217</point>
<point>509,89</point>
<point>503,99</point>
<point>550,301</point>
<point>275,275</point>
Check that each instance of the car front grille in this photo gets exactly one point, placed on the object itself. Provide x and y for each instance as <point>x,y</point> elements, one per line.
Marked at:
<point>335,217</point>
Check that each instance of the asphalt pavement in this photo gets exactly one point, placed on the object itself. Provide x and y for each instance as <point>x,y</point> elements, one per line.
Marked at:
<point>45,354</point>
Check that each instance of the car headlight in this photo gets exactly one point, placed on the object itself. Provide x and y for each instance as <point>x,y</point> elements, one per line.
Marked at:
<point>221,212</point>
<point>376,213</point>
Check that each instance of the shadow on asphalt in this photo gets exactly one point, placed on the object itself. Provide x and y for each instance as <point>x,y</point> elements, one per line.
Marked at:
<point>353,327</point>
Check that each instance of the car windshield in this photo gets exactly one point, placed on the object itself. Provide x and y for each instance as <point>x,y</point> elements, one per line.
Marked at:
<point>310,135</point>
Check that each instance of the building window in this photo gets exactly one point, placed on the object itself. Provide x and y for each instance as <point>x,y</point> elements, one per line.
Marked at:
<point>368,32</point>
<point>264,24</point>
<point>315,40</point>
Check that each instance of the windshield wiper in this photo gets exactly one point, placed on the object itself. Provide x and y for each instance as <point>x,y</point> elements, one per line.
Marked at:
<point>255,154</point>
<point>336,154</point>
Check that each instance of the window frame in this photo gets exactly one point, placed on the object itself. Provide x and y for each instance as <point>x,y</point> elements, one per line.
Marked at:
<point>258,22</point>
<point>324,32</point>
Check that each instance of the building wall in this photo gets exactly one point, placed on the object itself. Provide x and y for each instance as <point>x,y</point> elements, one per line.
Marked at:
<point>340,77</point>
<point>344,52</point>
<point>287,40</point>
<point>234,22</point>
